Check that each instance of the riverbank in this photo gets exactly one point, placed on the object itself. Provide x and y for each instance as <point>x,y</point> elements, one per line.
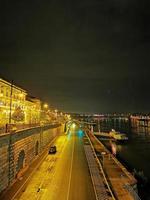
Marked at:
<point>120,180</point>
<point>143,183</point>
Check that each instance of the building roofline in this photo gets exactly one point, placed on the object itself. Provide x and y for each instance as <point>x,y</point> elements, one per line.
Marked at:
<point>14,86</point>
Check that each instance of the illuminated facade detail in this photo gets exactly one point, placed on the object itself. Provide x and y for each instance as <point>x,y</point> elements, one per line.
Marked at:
<point>33,110</point>
<point>19,109</point>
<point>11,97</point>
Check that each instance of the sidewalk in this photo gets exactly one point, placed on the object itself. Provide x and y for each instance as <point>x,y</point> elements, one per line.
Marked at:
<point>117,175</point>
<point>101,187</point>
<point>23,180</point>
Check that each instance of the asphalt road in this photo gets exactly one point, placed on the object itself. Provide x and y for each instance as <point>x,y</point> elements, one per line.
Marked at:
<point>62,176</point>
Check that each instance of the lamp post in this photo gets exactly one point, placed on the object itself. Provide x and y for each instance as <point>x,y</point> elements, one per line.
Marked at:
<point>44,111</point>
<point>56,114</point>
<point>103,154</point>
<point>45,106</point>
<point>10,139</point>
<point>99,126</point>
<point>10,107</point>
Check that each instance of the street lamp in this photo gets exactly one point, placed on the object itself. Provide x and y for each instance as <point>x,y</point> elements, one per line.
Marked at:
<point>73,125</point>
<point>99,126</point>
<point>56,110</point>
<point>10,108</point>
<point>103,154</point>
<point>56,113</point>
<point>45,106</point>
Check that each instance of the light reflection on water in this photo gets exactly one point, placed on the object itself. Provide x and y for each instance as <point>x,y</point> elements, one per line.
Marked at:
<point>135,154</point>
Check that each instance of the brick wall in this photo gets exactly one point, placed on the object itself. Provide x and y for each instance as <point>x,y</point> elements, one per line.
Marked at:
<point>18,150</point>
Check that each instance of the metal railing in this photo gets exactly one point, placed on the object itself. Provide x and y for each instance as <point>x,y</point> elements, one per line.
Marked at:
<point>16,127</point>
<point>102,171</point>
<point>132,192</point>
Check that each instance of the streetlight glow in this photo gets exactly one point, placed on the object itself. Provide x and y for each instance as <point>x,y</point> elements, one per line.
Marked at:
<point>45,105</point>
<point>73,125</point>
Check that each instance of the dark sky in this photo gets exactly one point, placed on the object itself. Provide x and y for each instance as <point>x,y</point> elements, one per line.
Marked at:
<point>79,56</point>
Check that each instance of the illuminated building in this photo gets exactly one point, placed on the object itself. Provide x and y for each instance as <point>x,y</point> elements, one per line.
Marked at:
<point>11,98</point>
<point>33,110</point>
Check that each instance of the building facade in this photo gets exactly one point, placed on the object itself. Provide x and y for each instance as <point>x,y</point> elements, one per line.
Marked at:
<point>16,107</point>
<point>33,110</point>
<point>11,98</point>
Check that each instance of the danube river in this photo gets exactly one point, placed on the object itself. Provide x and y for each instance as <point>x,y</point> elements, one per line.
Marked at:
<point>134,154</point>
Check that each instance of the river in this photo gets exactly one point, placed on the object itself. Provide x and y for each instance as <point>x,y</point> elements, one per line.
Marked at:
<point>134,154</point>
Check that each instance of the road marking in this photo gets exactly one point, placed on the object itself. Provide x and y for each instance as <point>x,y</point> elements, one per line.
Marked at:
<point>70,170</point>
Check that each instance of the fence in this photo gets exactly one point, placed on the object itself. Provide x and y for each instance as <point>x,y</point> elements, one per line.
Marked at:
<point>14,127</point>
<point>132,192</point>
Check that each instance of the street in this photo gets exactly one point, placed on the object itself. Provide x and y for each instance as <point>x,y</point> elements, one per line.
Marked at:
<point>64,175</point>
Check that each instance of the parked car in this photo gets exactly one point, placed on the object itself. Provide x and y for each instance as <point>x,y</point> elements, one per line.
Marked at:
<point>52,150</point>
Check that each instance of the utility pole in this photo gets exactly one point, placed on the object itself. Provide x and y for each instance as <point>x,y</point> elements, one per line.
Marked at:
<point>10,108</point>
<point>10,156</point>
<point>99,126</point>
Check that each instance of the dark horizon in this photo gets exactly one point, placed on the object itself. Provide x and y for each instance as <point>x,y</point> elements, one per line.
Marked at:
<point>84,56</point>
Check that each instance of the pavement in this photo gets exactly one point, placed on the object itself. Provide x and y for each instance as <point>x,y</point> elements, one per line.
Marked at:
<point>117,175</point>
<point>64,175</point>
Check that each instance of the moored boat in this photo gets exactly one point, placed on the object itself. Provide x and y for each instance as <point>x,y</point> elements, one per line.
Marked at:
<point>118,136</point>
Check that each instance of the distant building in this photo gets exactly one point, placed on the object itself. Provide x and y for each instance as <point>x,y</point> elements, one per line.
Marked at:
<point>33,110</point>
<point>11,98</point>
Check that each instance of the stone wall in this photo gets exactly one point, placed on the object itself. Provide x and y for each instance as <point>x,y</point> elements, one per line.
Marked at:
<point>19,149</point>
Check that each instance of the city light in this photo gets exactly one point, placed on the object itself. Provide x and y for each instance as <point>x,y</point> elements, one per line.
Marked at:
<point>80,133</point>
<point>56,110</point>
<point>73,125</point>
<point>45,106</point>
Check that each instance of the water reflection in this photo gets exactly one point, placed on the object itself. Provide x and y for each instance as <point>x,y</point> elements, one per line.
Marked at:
<point>135,154</point>
<point>113,147</point>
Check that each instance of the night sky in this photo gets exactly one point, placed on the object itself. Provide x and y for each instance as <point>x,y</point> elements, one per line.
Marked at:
<point>79,56</point>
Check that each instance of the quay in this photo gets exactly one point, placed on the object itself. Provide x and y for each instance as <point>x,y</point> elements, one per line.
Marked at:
<point>75,156</point>
<point>80,155</point>
<point>102,134</point>
<point>122,183</point>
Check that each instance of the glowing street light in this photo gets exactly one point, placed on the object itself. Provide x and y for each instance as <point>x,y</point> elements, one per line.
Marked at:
<point>56,110</point>
<point>73,125</point>
<point>45,106</point>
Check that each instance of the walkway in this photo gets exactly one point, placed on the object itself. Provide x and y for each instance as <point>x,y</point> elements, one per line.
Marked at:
<point>116,173</point>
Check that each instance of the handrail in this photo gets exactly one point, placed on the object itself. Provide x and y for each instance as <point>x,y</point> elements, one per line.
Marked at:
<point>101,168</point>
<point>132,192</point>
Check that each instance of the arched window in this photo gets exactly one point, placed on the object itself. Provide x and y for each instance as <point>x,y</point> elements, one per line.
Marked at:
<point>20,163</point>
